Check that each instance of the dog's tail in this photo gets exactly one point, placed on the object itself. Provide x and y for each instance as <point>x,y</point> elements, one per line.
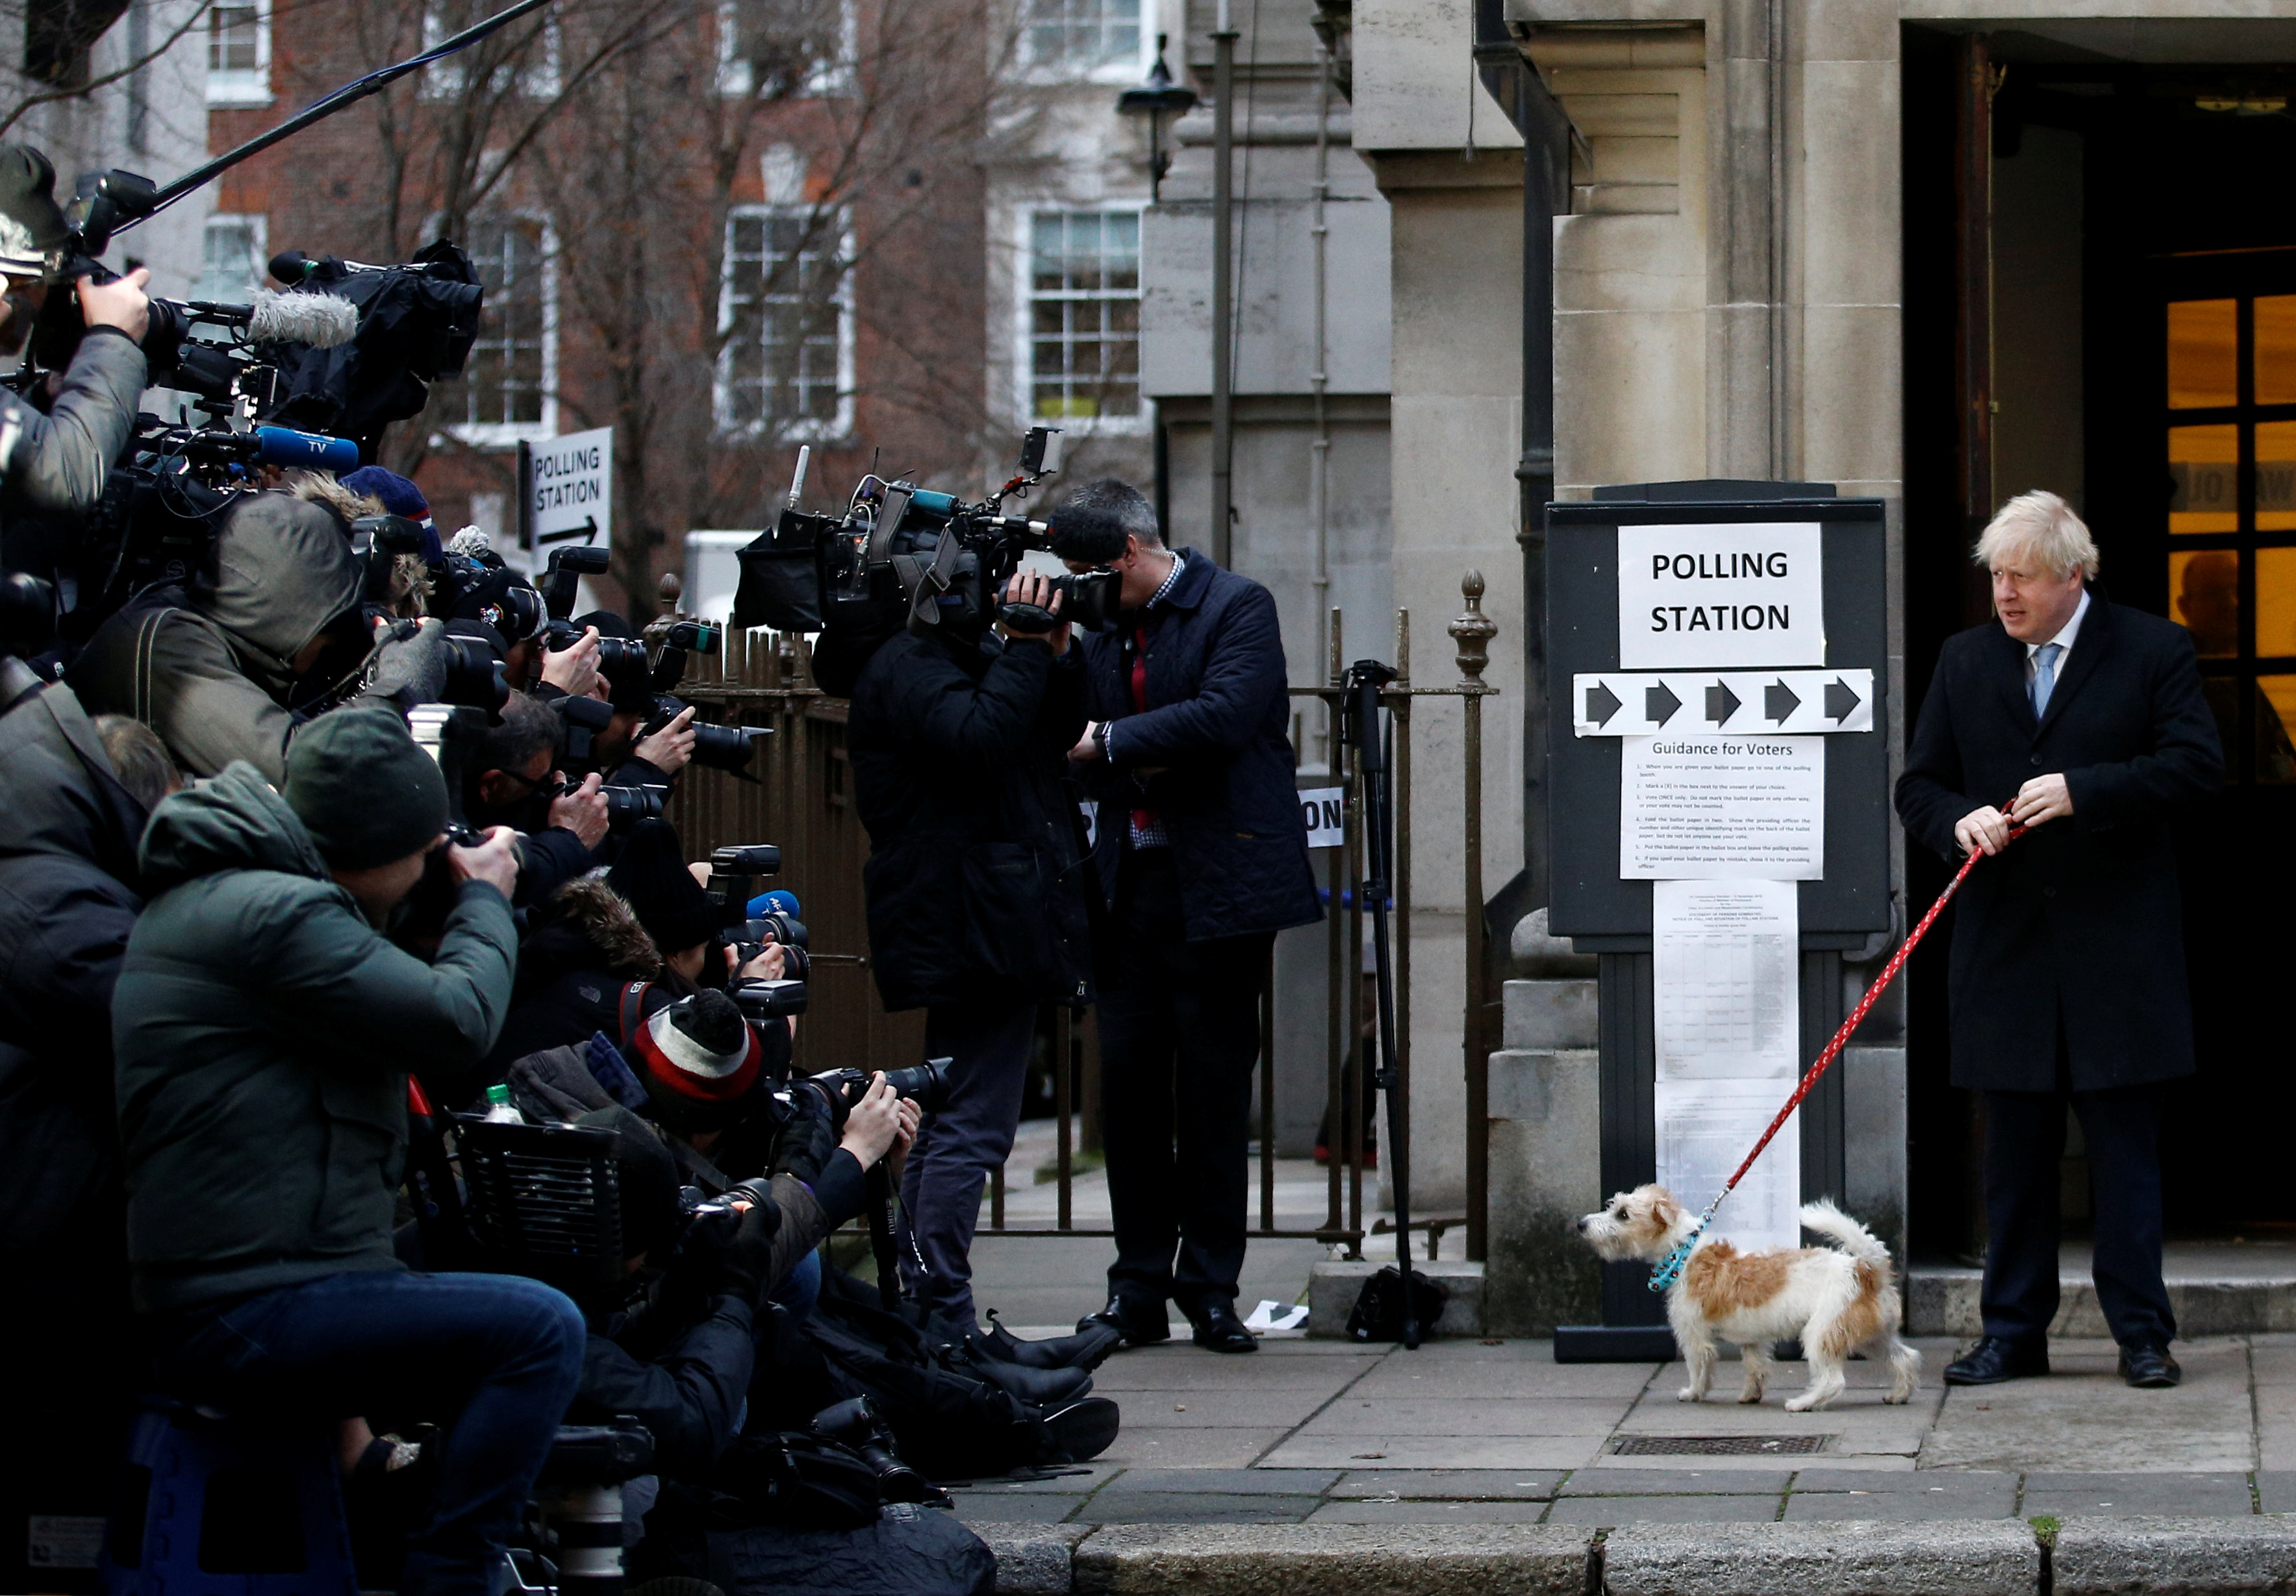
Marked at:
<point>1846,1233</point>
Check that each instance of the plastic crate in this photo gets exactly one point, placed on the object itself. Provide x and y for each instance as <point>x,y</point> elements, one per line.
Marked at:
<point>543,1201</point>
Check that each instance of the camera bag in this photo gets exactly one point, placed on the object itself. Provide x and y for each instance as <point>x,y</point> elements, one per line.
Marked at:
<point>907,1550</point>
<point>1378,1314</point>
<point>797,1480</point>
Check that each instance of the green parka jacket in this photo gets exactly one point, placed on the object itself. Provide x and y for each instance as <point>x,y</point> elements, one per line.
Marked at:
<point>263,1032</point>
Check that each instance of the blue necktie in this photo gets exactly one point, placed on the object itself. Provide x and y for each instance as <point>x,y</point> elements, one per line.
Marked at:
<point>2044,677</point>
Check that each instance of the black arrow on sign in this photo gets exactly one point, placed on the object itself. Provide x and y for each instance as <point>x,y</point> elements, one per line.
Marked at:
<point>1841,700</point>
<point>1658,705</point>
<point>1778,701</point>
<point>1602,704</point>
<point>1721,703</point>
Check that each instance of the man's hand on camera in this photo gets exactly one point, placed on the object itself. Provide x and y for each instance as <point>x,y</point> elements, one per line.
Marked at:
<point>670,749</point>
<point>1033,587</point>
<point>121,303</point>
<point>872,1125</point>
<point>807,1139</point>
<point>573,670</point>
<point>582,811</point>
<point>494,861</point>
<point>765,967</point>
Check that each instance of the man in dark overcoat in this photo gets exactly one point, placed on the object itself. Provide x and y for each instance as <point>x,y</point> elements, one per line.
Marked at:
<point>1203,853</point>
<point>2067,978</point>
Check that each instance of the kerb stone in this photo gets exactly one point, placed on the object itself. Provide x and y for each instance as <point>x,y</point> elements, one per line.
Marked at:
<point>1032,1559</point>
<point>1335,1559</point>
<point>1846,1559</point>
<point>2172,1555</point>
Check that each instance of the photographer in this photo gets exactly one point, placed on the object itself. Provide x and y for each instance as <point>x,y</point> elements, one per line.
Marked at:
<point>632,756</point>
<point>1204,856</point>
<point>512,782</point>
<point>233,667</point>
<point>58,461</point>
<point>263,1027</point>
<point>976,888</point>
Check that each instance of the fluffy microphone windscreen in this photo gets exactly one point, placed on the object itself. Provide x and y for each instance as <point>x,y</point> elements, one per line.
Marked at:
<point>322,320</point>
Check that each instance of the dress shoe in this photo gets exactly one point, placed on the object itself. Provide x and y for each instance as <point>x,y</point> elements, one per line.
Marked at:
<point>1080,1432</point>
<point>1995,1359</point>
<point>1139,1322</point>
<point>2150,1368</point>
<point>1088,1348</point>
<point>1219,1328</point>
<point>1045,1388</point>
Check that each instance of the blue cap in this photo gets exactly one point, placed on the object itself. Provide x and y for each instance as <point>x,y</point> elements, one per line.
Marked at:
<point>399,496</point>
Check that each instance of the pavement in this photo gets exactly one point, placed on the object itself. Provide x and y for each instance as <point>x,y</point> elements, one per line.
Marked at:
<point>1335,1448</point>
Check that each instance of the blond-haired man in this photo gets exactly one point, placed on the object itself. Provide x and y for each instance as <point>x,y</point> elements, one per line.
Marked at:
<point>2085,723</point>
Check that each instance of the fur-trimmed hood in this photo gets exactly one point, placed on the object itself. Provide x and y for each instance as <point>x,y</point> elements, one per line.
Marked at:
<point>586,925</point>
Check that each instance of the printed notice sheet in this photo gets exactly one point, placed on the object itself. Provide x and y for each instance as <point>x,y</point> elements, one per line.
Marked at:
<point>1705,1127</point>
<point>1718,808</point>
<point>1726,980</point>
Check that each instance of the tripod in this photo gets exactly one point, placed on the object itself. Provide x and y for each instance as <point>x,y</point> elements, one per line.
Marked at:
<point>1360,728</point>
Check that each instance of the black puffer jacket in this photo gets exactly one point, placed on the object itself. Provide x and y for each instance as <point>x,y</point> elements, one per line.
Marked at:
<point>68,900</point>
<point>976,884</point>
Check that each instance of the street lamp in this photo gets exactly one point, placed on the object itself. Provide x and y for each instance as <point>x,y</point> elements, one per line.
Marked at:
<point>1156,99</point>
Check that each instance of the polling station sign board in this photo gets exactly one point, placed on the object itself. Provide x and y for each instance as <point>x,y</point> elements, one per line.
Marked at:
<point>569,485</point>
<point>1726,659</point>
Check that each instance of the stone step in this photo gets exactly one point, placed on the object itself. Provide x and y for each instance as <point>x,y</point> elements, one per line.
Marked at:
<point>1334,1284</point>
<point>1943,1301</point>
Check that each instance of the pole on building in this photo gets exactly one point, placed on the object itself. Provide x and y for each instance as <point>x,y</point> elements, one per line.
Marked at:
<point>1222,285</point>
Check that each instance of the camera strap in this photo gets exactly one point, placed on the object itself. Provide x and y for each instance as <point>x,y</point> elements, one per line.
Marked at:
<point>147,638</point>
<point>633,1009</point>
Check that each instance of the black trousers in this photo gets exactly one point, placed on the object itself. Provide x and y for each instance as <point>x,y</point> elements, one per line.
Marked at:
<point>1177,1043</point>
<point>2024,1138</point>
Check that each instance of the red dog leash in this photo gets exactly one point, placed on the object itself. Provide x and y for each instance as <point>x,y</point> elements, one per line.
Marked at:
<point>1670,1269</point>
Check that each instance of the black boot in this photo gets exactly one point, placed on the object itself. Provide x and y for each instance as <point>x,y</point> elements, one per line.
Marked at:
<point>1088,1348</point>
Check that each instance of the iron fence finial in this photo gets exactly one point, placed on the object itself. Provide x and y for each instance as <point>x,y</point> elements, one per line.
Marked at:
<point>1475,631</point>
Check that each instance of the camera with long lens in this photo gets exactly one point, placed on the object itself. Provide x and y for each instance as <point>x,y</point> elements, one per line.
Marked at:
<point>474,676</point>
<point>1090,603</point>
<point>755,935</point>
<point>717,747</point>
<point>378,541</point>
<point>855,1425</point>
<point>926,1084</point>
<point>627,805</point>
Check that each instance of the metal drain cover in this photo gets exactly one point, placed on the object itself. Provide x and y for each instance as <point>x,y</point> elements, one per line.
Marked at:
<point>1678,1446</point>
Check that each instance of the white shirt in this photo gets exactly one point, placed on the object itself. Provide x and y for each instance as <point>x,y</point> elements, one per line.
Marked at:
<point>2064,640</point>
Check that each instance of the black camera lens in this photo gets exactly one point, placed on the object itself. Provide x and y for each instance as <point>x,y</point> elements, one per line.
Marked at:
<point>722,748</point>
<point>474,676</point>
<point>621,659</point>
<point>627,806</point>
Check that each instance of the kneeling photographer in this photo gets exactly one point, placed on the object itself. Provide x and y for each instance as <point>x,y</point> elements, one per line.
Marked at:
<point>514,781</point>
<point>232,666</point>
<point>975,883</point>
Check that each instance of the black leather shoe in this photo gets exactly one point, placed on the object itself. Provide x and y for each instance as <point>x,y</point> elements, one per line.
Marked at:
<point>1995,1359</point>
<point>1140,1323</point>
<point>1080,1432</point>
<point>1219,1328</point>
<point>2149,1368</point>
<point>1088,1348</point>
<point>1046,1387</point>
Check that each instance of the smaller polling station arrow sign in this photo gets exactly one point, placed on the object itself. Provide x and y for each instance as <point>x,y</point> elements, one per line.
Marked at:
<point>1645,703</point>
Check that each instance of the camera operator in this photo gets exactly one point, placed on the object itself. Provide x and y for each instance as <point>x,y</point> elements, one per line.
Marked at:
<point>234,666</point>
<point>57,462</point>
<point>1205,857</point>
<point>264,1028</point>
<point>512,782</point>
<point>69,891</point>
<point>976,888</point>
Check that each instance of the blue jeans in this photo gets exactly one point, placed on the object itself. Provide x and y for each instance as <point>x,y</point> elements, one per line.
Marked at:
<point>494,1357</point>
<point>800,1289</point>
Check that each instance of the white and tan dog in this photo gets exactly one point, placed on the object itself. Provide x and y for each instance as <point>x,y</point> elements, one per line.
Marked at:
<point>1836,1299</point>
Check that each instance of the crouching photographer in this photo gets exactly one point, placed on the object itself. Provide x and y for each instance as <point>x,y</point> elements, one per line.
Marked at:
<point>262,1029</point>
<point>514,781</point>
<point>975,883</point>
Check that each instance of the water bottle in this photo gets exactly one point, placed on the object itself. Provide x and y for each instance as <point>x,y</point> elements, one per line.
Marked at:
<point>500,1109</point>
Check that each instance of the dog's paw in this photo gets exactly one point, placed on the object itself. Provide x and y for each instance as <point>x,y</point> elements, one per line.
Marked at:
<point>1751,1395</point>
<point>1898,1398</point>
<point>1805,1405</point>
<point>1688,1394</point>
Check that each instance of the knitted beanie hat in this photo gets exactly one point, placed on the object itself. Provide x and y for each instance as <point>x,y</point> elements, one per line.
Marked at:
<point>699,1060</point>
<point>650,877</point>
<point>363,788</point>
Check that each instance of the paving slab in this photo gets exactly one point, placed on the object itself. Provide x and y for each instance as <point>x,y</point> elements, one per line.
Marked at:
<point>1894,1507</point>
<point>1436,1452</point>
<point>1406,1374</point>
<point>1851,1558</point>
<point>2170,1556</point>
<point>1864,1462</point>
<point>1240,1482</point>
<point>1087,1478</point>
<point>1336,1560</point>
<point>1150,1446</point>
<point>1188,1409</point>
<point>1448,1484</point>
<point>2081,1417</point>
<point>1771,1481</point>
<point>1016,1509</point>
<point>1609,1511</point>
<point>2275,1490</point>
<point>1429,1512</point>
<point>1355,1415</point>
<point>2199,1495</point>
<point>1115,1506</point>
<point>1931,1482</point>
